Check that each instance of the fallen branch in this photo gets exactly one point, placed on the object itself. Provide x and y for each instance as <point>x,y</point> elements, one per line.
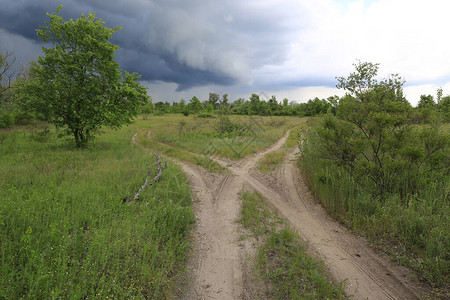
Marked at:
<point>159,169</point>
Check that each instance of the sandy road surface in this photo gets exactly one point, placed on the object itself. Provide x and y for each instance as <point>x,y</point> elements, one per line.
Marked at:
<point>217,267</point>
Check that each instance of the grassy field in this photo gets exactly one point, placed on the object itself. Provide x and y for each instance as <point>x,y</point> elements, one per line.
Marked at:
<point>282,262</point>
<point>413,227</point>
<point>245,135</point>
<point>64,231</point>
<point>271,160</point>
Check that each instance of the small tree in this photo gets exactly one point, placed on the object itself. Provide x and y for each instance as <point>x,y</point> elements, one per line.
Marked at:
<point>195,105</point>
<point>78,85</point>
<point>214,99</point>
<point>368,139</point>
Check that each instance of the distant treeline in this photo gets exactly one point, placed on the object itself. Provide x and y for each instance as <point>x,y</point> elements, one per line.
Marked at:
<point>428,109</point>
<point>253,106</point>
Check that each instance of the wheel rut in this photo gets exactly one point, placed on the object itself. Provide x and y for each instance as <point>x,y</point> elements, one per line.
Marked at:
<point>218,257</point>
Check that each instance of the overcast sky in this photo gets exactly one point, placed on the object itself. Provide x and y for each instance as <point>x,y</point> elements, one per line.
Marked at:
<point>290,48</point>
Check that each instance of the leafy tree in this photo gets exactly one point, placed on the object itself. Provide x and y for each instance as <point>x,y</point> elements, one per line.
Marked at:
<point>78,85</point>
<point>255,105</point>
<point>239,106</point>
<point>372,137</point>
<point>147,108</point>
<point>439,94</point>
<point>272,105</point>
<point>426,101</point>
<point>444,108</point>
<point>224,103</point>
<point>214,100</point>
<point>195,105</point>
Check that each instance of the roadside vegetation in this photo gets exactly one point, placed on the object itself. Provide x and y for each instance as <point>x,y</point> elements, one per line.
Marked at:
<point>377,164</point>
<point>382,168</point>
<point>225,136</point>
<point>65,231</point>
<point>282,262</point>
<point>273,159</point>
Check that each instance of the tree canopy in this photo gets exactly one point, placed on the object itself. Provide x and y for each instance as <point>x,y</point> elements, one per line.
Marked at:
<point>373,137</point>
<point>77,83</point>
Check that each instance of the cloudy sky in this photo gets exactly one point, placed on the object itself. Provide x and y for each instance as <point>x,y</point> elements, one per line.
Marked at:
<point>287,48</point>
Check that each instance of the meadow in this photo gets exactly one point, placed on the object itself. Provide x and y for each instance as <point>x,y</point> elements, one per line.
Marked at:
<point>65,231</point>
<point>240,136</point>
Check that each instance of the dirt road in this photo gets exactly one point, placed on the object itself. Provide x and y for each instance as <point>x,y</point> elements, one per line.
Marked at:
<point>218,260</point>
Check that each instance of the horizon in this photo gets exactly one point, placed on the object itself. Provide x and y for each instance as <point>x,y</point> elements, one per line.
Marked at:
<point>291,50</point>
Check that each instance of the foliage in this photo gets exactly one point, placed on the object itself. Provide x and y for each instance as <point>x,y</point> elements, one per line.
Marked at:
<point>213,100</point>
<point>380,173</point>
<point>148,108</point>
<point>444,108</point>
<point>78,85</point>
<point>65,233</point>
<point>373,136</point>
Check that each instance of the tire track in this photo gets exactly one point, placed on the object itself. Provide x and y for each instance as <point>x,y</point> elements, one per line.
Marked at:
<point>218,257</point>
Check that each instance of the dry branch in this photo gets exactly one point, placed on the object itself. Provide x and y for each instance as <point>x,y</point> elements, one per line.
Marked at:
<point>146,184</point>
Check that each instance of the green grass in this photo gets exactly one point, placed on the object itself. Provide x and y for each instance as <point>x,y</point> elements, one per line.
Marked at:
<point>273,159</point>
<point>64,231</point>
<point>413,229</point>
<point>178,153</point>
<point>198,136</point>
<point>282,261</point>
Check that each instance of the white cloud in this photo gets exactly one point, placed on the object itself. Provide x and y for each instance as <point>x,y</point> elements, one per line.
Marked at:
<point>287,47</point>
<point>404,36</point>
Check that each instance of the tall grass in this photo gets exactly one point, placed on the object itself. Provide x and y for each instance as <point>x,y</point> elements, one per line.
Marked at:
<point>412,226</point>
<point>282,261</point>
<point>64,231</point>
<point>178,153</point>
<point>197,135</point>
<point>273,159</point>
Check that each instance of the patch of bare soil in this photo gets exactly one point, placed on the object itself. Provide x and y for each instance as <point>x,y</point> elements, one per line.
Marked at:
<point>219,268</point>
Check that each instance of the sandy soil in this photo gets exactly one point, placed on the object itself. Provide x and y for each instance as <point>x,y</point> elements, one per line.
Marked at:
<point>218,264</point>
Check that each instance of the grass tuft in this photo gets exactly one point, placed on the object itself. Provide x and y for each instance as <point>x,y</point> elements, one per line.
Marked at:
<point>282,260</point>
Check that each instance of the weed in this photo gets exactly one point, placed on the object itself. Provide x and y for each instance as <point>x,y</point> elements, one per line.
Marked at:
<point>238,135</point>
<point>64,232</point>
<point>282,258</point>
<point>271,160</point>
<point>410,224</point>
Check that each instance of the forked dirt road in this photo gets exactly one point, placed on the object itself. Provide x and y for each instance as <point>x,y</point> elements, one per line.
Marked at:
<point>218,259</point>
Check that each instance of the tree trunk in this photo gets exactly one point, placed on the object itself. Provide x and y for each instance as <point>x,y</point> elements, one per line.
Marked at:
<point>81,138</point>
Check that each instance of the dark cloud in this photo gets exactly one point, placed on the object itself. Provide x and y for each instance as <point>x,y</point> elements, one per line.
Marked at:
<point>191,43</point>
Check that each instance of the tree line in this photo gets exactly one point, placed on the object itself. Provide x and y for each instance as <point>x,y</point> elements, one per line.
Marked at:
<point>252,106</point>
<point>78,86</point>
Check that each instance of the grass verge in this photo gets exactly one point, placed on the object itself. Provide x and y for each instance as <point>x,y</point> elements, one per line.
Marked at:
<point>282,261</point>
<point>178,153</point>
<point>271,160</point>
<point>199,135</point>
<point>64,231</point>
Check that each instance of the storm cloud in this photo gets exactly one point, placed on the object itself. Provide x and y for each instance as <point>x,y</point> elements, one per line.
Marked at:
<point>182,48</point>
<point>190,43</point>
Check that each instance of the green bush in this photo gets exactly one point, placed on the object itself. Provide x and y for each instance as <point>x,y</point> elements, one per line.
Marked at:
<point>6,119</point>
